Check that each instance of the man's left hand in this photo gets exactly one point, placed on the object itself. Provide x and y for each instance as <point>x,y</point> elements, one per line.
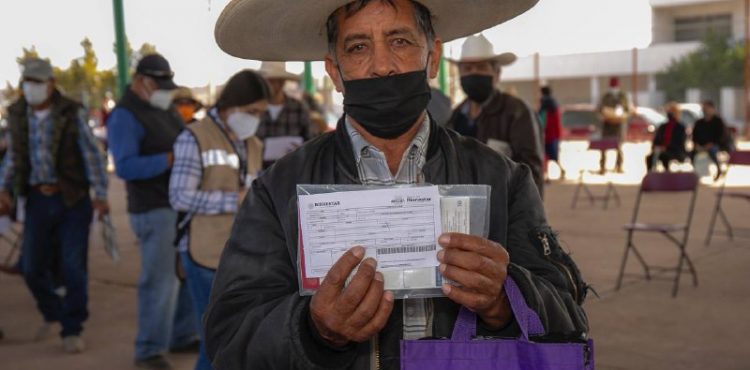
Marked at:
<point>101,207</point>
<point>480,267</point>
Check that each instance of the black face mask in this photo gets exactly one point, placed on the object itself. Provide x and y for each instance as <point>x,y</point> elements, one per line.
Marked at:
<point>477,87</point>
<point>387,107</point>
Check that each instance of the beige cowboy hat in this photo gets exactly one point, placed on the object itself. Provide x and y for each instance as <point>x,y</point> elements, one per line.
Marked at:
<point>277,70</point>
<point>186,94</point>
<point>478,49</point>
<point>281,30</point>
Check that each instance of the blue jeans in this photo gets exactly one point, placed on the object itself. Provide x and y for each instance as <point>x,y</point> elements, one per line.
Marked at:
<point>199,281</point>
<point>50,224</point>
<point>166,317</point>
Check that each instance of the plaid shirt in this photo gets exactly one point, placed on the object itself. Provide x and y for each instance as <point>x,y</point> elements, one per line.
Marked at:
<point>373,170</point>
<point>294,120</point>
<point>186,178</point>
<point>42,168</point>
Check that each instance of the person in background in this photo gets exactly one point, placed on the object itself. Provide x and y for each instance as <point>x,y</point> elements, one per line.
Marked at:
<point>216,160</point>
<point>614,108</point>
<point>669,140</point>
<point>503,122</point>
<point>52,163</point>
<point>186,104</point>
<point>286,116</point>
<point>549,114</point>
<point>142,130</point>
<point>708,134</point>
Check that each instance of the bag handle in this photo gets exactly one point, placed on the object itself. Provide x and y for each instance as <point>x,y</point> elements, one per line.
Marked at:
<point>466,323</point>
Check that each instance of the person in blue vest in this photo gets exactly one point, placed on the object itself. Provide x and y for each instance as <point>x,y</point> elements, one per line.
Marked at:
<point>142,130</point>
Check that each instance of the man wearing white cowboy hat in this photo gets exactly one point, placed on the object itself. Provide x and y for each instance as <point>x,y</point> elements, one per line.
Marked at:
<point>380,54</point>
<point>286,116</point>
<point>498,119</point>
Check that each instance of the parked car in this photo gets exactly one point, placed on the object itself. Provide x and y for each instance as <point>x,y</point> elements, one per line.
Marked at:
<point>579,121</point>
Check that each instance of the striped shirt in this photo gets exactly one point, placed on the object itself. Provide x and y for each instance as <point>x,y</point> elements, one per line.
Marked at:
<point>186,178</point>
<point>372,167</point>
<point>42,167</point>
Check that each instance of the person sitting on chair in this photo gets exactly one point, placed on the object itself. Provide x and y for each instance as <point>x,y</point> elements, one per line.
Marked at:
<point>669,140</point>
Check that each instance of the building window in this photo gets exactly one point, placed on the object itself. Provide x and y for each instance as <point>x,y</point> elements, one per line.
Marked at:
<point>697,27</point>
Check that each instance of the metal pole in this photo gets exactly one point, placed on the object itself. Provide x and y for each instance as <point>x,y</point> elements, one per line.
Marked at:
<point>443,76</point>
<point>308,80</point>
<point>747,69</point>
<point>635,77</point>
<point>123,77</point>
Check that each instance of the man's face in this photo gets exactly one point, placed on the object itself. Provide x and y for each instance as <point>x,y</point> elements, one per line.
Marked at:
<point>708,111</point>
<point>484,68</point>
<point>276,85</point>
<point>378,41</point>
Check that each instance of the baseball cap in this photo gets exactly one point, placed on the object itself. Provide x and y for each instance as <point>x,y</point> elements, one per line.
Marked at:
<point>36,69</point>
<point>157,67</point>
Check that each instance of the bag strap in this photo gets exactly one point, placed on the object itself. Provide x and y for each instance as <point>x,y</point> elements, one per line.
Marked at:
<point>529,322</point>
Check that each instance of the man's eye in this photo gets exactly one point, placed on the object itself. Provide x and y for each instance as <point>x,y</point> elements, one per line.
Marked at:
<point>401,42</point>
<point>356,48</point>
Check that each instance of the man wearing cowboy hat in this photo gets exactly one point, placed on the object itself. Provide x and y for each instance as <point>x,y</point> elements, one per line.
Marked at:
<point>500,120</point>
<point>286,116</point>
<point>186,104</point>
<point>380,54</point>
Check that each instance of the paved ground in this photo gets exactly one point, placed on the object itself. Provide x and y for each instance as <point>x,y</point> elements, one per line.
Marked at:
<point>639,327</point>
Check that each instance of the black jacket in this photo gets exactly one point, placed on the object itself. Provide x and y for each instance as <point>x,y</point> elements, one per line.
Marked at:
<point>256,317</point>
<point>676,144</point>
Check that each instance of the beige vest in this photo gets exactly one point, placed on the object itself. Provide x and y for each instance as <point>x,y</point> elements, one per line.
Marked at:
<point>221,171</point>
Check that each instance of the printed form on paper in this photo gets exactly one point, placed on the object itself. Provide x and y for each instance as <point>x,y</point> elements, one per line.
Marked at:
<point>398,227</point>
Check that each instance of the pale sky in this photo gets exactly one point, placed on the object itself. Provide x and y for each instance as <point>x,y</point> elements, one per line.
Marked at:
<point>182,30</point>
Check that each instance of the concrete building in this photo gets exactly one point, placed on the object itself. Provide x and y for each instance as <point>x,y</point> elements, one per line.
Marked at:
<point>677,28</point>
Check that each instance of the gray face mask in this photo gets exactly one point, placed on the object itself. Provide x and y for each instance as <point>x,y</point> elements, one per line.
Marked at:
<point>35,93</point>
<point>161,99</point>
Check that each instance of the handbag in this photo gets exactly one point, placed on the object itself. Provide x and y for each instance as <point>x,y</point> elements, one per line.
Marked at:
<point>464,351</point>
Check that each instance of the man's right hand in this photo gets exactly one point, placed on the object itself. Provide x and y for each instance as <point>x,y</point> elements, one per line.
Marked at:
<point>356,312</point>
<point>6,202</point>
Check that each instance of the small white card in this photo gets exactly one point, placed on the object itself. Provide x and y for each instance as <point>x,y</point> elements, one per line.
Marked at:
<point>274,148</point>
<point>397,226</point>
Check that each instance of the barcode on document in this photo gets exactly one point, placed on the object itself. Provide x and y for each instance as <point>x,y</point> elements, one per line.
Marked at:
<point>407,249</point>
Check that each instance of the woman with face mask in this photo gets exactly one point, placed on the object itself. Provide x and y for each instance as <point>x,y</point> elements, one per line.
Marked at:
<point>216,160</point>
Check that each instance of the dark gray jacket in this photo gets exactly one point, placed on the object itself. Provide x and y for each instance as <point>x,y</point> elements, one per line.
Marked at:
<point>256,318</point>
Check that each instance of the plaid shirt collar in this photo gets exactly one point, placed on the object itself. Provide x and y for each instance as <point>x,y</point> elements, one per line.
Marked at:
<point>373,167</point>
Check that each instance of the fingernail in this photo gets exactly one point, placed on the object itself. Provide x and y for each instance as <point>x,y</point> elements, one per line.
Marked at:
<point>388,296</point>
<point>379,277</point>
<point>447,289</point>
<point>371,262</point>
<point>358,252</point>
<point>441,255</point>
<point>442,268</point>
<point>444,239</point>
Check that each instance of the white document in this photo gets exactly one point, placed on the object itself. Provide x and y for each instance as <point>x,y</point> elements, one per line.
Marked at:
<point>397,226</point>
<point>276,147</point>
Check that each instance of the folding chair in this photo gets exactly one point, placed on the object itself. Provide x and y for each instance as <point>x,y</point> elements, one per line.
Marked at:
<point>663,183</point>
<point>600,145</point>
<point>736,158</point>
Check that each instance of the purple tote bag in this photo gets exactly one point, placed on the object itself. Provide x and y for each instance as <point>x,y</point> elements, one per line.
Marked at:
<point>464,352</point>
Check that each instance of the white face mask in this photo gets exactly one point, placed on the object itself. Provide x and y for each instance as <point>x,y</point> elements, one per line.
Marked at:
<point>161,99</point>
<point>35,92</point>
<point>244,125</point>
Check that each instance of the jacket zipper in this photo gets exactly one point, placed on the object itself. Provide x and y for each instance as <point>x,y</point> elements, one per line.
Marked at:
<point>547,253</point>
<point>376,347</point>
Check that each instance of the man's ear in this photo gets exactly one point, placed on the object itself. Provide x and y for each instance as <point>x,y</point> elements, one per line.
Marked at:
<point>333,73</point>
<point>435,58</point>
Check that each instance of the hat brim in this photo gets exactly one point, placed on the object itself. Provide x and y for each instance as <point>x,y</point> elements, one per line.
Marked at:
<point>283,30</point>
<point>165,83</point>
<point>280,75</point>
<point>503,59</point>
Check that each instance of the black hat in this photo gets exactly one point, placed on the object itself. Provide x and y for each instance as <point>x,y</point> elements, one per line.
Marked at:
<point>157,67</point>
<point>245,87</point>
